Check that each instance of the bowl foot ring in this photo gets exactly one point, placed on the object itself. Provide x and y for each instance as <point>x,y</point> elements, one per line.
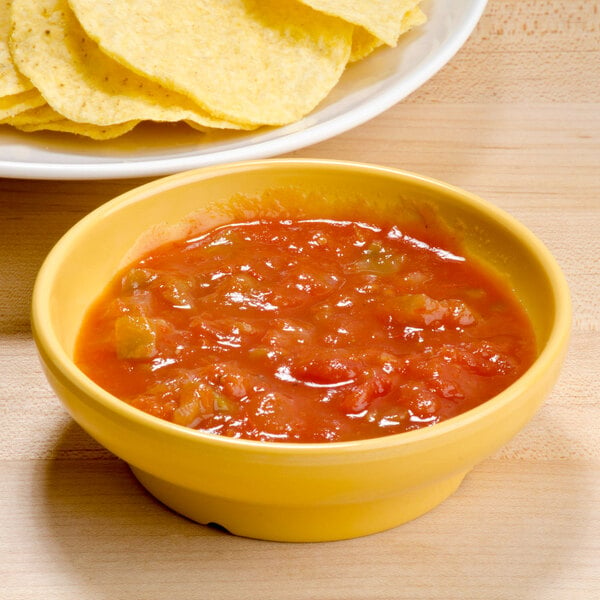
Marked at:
<point>318,523</point>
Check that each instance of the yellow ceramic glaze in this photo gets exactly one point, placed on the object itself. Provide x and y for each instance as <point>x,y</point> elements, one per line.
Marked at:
<point>294,492</point>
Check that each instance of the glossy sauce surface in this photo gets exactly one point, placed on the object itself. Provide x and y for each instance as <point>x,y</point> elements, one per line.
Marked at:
<point>307,331</point>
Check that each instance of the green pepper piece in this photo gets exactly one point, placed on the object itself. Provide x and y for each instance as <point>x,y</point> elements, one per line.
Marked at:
<point>135,337</point>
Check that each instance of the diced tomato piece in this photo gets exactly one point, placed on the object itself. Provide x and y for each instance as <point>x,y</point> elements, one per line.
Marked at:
<point>359,397</point>
<point>325,370</point>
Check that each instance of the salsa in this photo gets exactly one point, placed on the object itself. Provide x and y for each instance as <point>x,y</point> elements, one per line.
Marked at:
<point>307,330</point>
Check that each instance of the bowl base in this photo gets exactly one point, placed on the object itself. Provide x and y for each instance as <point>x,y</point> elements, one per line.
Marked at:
<point>319,523</point>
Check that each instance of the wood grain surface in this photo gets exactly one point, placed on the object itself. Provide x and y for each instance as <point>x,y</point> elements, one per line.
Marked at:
<point>515,118</point>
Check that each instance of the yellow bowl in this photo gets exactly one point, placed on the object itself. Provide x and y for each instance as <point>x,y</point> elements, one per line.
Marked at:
<point>283,491</point>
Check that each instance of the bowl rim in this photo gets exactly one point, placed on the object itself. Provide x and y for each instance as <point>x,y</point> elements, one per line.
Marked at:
<point>62,365</point>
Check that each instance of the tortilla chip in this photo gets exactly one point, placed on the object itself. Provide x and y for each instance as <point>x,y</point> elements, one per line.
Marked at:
<point>249,61</point>
<point>381,18</point>
<point>46,118</point>
<point>94,132</point>
<point>364,43</point>
<point>11,81</point>
<point>34,116</point>
<point>17,103</point>
<point>81,82</point>
<point>413,18</point>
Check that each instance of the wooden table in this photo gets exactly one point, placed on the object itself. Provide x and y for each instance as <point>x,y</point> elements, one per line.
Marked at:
<point>514,117</point>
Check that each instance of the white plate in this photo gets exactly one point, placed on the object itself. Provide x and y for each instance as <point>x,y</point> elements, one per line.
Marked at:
<point>366,89</point>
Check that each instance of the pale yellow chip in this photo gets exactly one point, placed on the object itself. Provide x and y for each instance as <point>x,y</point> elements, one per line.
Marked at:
<point>364,42</point>
<point>34,116</point>
<point>81,82</point>
<point>95,132</point>
<point>250,61</point>
<point>46,118</point>
<point>413,18</point>
<point>381,18</point>
<point>17,103</point>
<point>11,81</point>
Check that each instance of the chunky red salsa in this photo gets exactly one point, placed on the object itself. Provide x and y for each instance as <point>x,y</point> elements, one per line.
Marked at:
<point>306,331</point>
